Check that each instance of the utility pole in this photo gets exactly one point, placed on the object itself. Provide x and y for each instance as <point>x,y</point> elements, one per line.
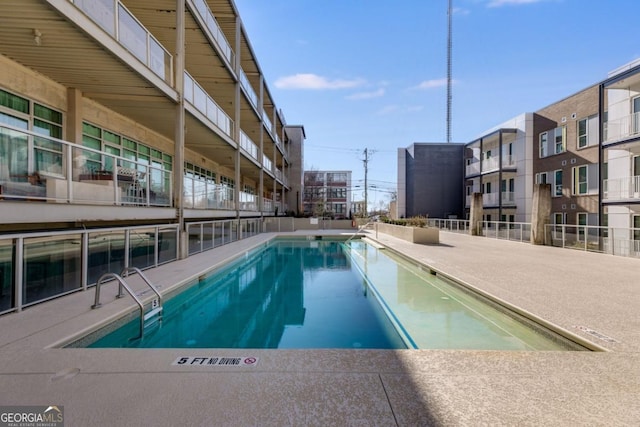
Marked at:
<point>365,160</point>
<point>449,48</point>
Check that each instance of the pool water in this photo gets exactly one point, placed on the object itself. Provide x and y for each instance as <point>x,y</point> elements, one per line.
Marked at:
<point>291,294</point>
<point>330,294</point>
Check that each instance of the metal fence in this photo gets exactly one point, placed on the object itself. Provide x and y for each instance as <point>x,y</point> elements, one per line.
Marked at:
<point>609,240</point>
<point>36,267</point>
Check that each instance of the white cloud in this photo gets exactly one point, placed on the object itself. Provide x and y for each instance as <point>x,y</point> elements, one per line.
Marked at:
<point>460,11</point>
<point>366,95</point>
<point>430,84</point>
<point>314,82</point>
<point>499,3</point>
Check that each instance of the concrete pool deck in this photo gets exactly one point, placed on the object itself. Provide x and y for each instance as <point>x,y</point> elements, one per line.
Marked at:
<point>594,296</point>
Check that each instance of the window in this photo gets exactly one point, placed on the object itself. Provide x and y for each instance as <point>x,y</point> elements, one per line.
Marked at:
<point>114,145</point>
<point>583,133</point>
<point>580,180</point>
<point>543,144</point>
<point>585,179</point>
<point>557,184</point>
<point>559,139</point>
<point>23,155</point>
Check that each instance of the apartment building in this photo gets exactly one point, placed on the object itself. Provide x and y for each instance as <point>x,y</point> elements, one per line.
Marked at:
<point>129,130</point>
<point>620,151</point>
<point>565,154</point>
<point>430,180</point>
<point>327,194</point>
<point>499,166</point>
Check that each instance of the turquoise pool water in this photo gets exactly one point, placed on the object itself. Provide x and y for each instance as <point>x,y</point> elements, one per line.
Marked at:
<point>330,294</point>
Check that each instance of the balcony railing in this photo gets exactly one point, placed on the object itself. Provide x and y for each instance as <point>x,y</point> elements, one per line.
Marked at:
<point>267,163</point>
<point>36,167</point>
<point>214,28</point>
<point>508,198</point>
<point>116,19</point>
<point>622,128</point>
<point>267,204</point>
<point>267,122</point>
<point>627,188</point>
<point>490,199</point>
<point>246,85</point>
<point>248,201</point>
<point>473,168</point>
<point>200,99</point>
<point>205,194</point>
<point>248,145</point>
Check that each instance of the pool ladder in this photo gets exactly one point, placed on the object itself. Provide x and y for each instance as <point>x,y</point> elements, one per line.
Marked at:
<point>155,314</point>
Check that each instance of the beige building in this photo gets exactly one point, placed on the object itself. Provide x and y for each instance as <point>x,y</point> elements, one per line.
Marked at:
<point>140,134</point>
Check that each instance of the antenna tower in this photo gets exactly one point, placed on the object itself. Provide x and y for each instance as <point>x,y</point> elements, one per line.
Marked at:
<point>449,47</point>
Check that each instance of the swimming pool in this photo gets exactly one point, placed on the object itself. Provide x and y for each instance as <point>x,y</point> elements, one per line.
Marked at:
<point>329,294</point>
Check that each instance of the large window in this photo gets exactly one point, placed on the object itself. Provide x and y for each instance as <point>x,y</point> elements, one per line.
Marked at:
<point>21,156</point>
<point>140,156</point>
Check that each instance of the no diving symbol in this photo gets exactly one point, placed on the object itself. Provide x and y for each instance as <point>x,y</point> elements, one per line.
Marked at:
<point>250,360</point>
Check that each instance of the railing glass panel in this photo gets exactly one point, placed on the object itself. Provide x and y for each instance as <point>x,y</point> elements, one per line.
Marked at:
<point>200,99</point>
<point>214,29</point>
<point>246,85</point>
<point>248,145</point>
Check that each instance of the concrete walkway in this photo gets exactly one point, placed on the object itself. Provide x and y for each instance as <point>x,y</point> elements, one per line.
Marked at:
<point>594,296</point>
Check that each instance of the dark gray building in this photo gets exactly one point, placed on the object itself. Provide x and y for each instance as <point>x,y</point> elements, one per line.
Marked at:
<point>430,180</point>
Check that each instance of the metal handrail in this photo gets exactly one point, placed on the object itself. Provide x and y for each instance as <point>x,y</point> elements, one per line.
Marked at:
<point>122,284</point>
<point>125,273</point>
<point>120,295</point>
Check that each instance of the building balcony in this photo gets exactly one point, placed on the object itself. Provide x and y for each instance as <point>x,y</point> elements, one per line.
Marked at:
<point>123,26</point>
<point>619,129</point>
<point>621,189</point>
<point>38,168</point>
<point>202,194</point>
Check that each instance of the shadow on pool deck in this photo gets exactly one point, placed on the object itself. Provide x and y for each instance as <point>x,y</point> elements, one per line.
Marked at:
<point>351,387</point>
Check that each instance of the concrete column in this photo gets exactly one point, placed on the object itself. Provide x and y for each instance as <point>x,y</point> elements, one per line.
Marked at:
<point>540,213</point>
<point>475,215</point>
<point>73,132</point>
<point>179,133</point>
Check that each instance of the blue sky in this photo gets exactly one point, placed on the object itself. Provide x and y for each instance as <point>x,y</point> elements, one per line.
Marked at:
<point>372,74</point>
